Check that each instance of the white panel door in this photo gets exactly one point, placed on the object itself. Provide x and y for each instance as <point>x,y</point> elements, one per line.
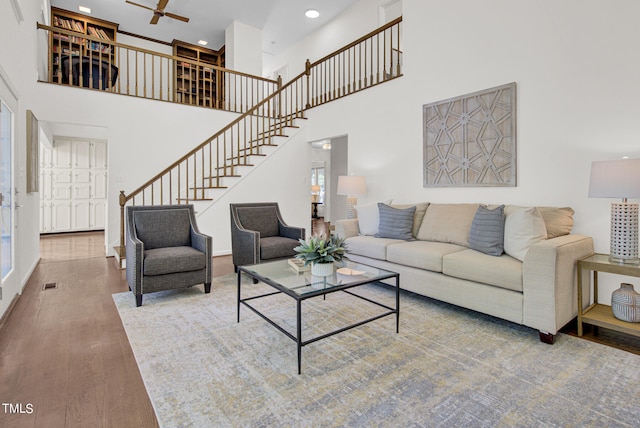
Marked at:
<point>98,213</point>
<point>74,185</point>
<point>99,155</point>
<point>99,185</point>
<point>62,154</point>
<point>82,154</point>
<point>81,214</point>
<point>61,216</point>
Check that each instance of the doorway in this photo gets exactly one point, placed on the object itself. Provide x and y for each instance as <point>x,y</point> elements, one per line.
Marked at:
<point>329,159</point>
<point>8,107</point>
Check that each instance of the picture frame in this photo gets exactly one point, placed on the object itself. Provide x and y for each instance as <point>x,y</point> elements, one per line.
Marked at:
<point>33,153</point>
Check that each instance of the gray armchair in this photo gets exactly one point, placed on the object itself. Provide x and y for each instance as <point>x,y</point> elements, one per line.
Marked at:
<point>165,250</point>
<point>258,233</point>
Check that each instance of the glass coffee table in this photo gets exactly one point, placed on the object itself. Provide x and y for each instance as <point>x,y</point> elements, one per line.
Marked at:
<point>302,286</point>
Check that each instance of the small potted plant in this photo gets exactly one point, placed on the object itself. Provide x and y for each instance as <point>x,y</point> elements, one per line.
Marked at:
<point>321,251</point>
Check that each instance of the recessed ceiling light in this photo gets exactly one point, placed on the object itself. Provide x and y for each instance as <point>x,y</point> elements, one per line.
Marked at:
<point>84,9</point>
<point>312,13</point>
<point>202,42</point>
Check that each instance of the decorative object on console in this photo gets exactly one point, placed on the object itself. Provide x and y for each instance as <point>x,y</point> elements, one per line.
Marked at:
<point>625,303</point>
<point>470,140</point>
<point>351,186</point>
<point>619,179</point>
<point>315,192</point>
<point>321,251</point>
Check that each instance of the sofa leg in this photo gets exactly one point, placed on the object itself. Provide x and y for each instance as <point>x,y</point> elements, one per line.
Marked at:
<point>138,300</point>
<point>547,338</point>
<point>207,287</point>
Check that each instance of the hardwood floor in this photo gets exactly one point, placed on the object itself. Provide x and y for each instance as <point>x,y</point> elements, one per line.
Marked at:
<point>64,352</point>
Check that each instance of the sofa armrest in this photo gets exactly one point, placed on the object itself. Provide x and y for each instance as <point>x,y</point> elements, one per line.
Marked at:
<point>549,281</point>
<point>134,255</point>
<point>347,228</point>
<point>292,232</point>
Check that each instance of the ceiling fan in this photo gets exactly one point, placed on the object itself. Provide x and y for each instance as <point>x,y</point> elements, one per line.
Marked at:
<point>159,12</point>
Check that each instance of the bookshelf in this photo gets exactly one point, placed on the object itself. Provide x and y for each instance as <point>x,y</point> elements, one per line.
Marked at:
<point>65,48</point>
<point>198,84</point>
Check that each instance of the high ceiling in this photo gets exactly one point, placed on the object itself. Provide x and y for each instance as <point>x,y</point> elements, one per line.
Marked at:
<point>282,21</point>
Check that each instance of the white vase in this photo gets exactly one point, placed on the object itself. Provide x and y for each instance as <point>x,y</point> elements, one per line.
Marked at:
<point>321,269</point>
<point>625,303</point>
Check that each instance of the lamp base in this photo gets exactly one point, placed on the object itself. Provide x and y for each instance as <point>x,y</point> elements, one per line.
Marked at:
<point>621,261</point>
<point>624,233</point>
<point>351,207</point>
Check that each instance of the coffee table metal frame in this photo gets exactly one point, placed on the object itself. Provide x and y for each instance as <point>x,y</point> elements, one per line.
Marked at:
<point>299,297</point>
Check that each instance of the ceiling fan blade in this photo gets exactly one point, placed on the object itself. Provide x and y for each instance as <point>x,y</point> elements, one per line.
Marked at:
<point>139,5</point>
<point>178,17</point>
<point>162,4</point>
<point>154,20</point>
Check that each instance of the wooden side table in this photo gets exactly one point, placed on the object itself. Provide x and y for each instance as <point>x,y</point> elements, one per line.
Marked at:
<point>598,314</point>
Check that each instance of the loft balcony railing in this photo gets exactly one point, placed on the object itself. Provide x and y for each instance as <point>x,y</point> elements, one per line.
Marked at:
<point>369,61</point>
<point>91,62</point>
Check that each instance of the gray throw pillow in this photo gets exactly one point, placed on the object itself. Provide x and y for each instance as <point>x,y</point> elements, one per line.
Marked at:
<point>487,231</point>
<point>395,223</point>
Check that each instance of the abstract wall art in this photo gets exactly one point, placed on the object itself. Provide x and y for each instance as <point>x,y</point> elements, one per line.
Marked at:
<point>470,140</point>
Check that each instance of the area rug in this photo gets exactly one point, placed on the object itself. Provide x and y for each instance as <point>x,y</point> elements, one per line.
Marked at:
<point>447,367</point>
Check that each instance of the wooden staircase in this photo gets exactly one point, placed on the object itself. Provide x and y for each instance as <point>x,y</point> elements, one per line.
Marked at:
<point>373,59</point>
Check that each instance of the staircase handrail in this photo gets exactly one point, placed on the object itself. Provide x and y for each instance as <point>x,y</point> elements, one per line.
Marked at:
<point>299,82</point>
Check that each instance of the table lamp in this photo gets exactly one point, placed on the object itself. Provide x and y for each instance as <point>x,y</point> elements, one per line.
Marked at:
<point>619,179</point>
<point>315,192</point>
<point>350,186</point>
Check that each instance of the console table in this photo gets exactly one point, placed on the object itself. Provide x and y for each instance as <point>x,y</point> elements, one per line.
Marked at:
<point>598,314</point>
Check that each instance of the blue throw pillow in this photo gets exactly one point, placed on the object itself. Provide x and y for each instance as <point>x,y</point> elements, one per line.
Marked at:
<point>487,231</point>
<point>395,223</point>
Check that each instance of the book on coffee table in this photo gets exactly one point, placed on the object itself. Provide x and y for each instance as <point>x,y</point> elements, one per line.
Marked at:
<point>298,265</point>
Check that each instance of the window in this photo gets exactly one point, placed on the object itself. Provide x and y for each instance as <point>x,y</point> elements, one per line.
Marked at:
<point>317,179</point>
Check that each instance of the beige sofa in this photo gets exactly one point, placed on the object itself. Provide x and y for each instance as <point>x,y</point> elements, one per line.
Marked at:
<point>532,283</point>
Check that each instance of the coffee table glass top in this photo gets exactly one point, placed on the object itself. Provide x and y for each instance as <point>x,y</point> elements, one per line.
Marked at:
<point>345,273</point>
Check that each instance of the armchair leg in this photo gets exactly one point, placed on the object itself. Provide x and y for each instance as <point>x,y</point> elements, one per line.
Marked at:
<point>138,300</point>
<point>207,287</point>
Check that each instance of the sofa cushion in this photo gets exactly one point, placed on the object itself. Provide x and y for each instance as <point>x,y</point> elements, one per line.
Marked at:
<point>487,231</point>
<point>421,254</point>
<point>558,221</point>
<point>369,218</point>
<point>369,246</point>
<point>503,271</point>
<point>163,228</point>
<point>260,219</point>
<point>161,261</point>
<point>421,209</point>
<point>275,247</point>
<point>448,223</point>
<point>523,227</point>
<point>395,223</point>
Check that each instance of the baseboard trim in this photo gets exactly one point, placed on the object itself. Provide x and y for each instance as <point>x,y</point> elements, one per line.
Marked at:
<point>7,313</point>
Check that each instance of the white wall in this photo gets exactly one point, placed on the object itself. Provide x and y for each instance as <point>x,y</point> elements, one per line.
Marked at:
<point>243,48</point>
<point>576,71</point>
<point>355,22</point>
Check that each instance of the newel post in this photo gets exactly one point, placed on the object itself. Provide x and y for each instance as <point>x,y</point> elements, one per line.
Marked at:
<point>123,200</point>
<point>307,71</point>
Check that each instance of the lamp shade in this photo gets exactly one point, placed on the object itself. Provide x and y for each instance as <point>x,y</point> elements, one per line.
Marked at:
<point>351,185</point>
<point>615,179</point>
<point>315,188</point>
